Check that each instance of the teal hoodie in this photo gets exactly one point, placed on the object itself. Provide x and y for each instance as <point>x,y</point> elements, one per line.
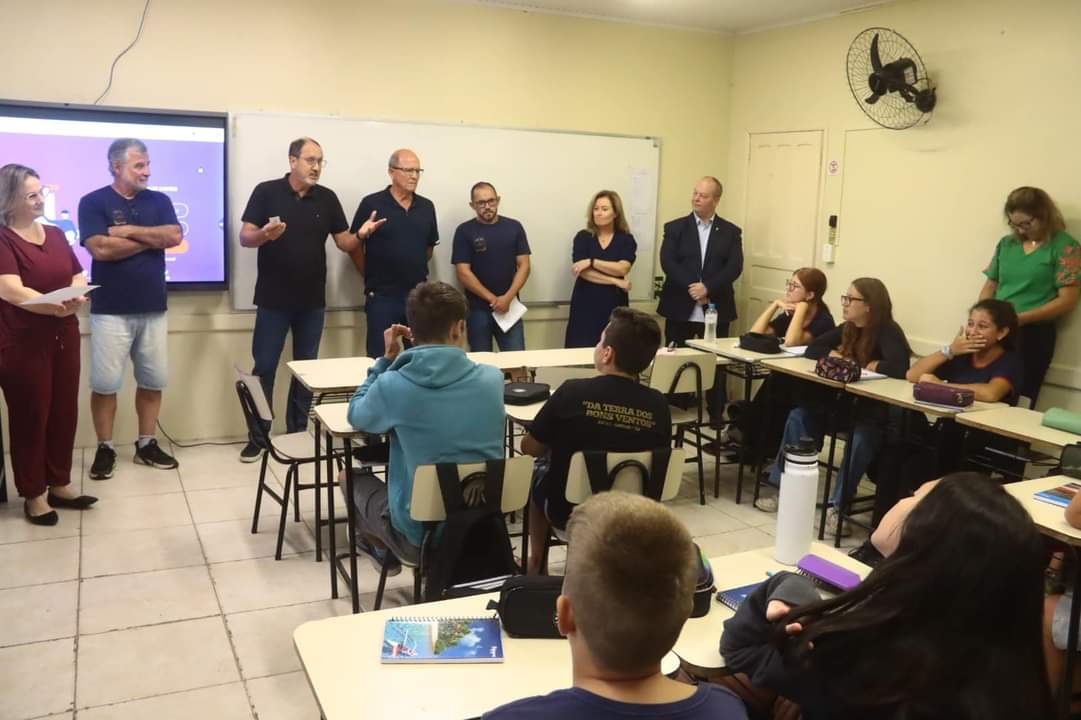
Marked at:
<point>438,406</point>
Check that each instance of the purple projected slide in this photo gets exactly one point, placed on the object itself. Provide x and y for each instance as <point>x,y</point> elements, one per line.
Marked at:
<point>190,172</point>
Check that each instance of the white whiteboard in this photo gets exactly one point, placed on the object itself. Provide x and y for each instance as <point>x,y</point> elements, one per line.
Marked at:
<point>545,180</point>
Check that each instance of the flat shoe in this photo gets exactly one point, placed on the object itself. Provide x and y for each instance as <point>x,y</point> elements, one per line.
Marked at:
<point>77,503</point>
<point>49,518</point>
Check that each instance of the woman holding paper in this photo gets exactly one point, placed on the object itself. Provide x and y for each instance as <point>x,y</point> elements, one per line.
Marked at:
<point>39,348</point>
<point>602,258</point>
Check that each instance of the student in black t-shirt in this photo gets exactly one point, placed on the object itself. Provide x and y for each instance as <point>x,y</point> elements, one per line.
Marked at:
<point>628,590</point>
<point>801,315</point>
<point>610,412</point>
<point>981,358</point>
<point>288,220</point>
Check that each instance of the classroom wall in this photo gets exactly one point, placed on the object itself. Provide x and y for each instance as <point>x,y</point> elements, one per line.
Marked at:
<point>408,60</point>
<point>922,208</point>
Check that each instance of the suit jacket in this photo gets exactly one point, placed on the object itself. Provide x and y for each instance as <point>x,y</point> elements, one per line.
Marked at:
<point>682,262</point>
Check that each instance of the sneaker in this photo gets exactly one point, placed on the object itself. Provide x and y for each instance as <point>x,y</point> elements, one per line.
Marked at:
<point>104,463</point>
<point>151,454</point>
<point>380,556</point>
<point>832,522</point>
<point>766,504</point>
<point>251,453</point>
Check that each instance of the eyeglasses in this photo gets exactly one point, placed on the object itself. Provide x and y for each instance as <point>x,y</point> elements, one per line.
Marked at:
<point>408,171</point>
<point>847,300</point>
<point>792,286</point>
<point>491,202</point>
<point>1023,225</point>
<point>314,162</point>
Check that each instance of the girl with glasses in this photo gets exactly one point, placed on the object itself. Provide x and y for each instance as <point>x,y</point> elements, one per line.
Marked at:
<point>801,315</point>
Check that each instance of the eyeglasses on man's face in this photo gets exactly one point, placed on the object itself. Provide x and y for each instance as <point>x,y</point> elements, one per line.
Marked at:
<point>314,162</point>
<point>412,172</point>
<point>847,300</point>
<point>490,202</point>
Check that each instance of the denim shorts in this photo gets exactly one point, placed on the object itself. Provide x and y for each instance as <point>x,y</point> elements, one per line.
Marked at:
<point>143,336</point>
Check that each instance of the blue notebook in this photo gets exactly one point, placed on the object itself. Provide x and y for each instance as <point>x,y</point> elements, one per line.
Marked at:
<point>734,598</point>
<point>442,640</point>
<point>1060,496</point>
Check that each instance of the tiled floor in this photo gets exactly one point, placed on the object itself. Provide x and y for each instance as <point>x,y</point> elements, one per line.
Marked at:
<point>160,603</point>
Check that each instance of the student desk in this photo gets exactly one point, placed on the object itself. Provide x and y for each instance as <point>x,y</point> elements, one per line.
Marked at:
<point>533,359</point>
<point>1019,424</point>
<point>341,655</point>
<point>898,393</point>
<point>331,375</point>
<point>698,645</point>
<point>1050,520</point>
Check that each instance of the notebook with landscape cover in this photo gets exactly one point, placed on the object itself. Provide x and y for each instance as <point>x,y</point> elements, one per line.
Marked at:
<point>734,598</point>
<point>442,640</point>
<point>1060,496</point>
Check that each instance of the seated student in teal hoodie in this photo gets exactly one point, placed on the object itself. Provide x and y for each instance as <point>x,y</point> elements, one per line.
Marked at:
<point>437,406</point>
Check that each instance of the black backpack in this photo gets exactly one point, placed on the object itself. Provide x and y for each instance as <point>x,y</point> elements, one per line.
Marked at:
<point>475,544</point>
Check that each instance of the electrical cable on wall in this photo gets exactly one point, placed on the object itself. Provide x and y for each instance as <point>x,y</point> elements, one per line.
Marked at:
<point>112,68</point>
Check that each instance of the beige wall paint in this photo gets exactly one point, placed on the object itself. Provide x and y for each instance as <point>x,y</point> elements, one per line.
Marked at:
<point>921,208</point>
<point>410,60</point>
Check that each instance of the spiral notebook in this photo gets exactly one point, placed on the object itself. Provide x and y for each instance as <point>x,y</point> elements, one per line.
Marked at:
<point>1061,496</point>
<point>442,640</point>
<point>734,597</point>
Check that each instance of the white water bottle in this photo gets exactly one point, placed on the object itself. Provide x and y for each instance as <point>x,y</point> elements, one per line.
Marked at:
<point>796,505</point>
<point>711,323</point>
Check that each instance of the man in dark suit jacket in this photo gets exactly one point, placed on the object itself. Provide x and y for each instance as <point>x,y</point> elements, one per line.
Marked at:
<point>702,256</point>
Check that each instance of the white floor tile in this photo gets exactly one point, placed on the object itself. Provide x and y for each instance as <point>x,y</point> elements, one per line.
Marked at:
<point>223,702</point>
<point>41,561</point>
<point>38,679</point>
<point>38,613</point>
<point>284,697</point>
<point>141,550</point>
<point>115,602</point>
<point>144,512</point>
<point>263,639</point>
<point>233,540</point>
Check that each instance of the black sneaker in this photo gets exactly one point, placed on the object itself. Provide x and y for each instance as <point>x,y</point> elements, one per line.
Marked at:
<point>251,453</point>
<point>151,454</point>
<point>104,463</point>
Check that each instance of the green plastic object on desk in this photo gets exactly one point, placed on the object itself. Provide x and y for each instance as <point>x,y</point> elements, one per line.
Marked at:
<point>1063,420</point>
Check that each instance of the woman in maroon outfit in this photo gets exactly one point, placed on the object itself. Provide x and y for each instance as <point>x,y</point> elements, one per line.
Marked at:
<point>39,348</point>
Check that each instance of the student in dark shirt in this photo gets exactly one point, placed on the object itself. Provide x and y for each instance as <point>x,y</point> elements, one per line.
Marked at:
<point>801,315</point>
<point>611,411</point>
<point>628,590</point>
<point>870,336</point>
<point>491,259</point>
<point>948,626</point>
<point>982,357</point>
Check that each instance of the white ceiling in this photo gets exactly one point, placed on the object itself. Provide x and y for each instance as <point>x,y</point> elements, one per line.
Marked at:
<point>724,16</point>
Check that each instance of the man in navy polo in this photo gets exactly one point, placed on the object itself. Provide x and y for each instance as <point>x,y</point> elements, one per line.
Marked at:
<point>491,258</point>
<point>126,228</point>
<point>288,220</point>
<point>398,233</point>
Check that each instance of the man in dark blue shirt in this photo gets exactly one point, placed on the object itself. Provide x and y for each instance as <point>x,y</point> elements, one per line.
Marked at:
<point>126,228</point>
<point>288,220</point>
<point>491,258</point>
<point>397,232</point>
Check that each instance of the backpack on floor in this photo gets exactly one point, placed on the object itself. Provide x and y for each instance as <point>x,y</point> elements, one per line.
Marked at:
<point>475,544</point>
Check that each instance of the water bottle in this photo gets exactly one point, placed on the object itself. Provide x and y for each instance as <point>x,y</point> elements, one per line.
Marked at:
<point>711,323</point>
<point>796,504</point>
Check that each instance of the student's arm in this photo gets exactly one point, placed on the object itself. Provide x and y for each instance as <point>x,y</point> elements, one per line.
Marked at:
<point>992,391</point>
<point>822,345</point>
<point>1073,511</point>
<point>796,335</point>
<point>894,351</point>
<point>926,365</point>
<point>369,409</point>
<point>761,323</point>
<point>469,281</point>
<point>1063,303</point>
<point>159,237</point>
<point>533,446</point>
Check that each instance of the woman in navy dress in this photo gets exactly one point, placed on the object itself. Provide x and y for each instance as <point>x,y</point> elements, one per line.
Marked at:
<point>603,255</point>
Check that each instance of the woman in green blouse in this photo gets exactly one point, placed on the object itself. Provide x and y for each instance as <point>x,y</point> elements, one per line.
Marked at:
<point>1037,269</point>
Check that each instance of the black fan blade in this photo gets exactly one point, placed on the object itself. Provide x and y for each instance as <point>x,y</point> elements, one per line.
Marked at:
<point>872,100</point>
<point>876,61</point>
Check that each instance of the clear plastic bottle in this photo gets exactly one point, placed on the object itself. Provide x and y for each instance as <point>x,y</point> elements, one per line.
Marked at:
<point>711,323</point>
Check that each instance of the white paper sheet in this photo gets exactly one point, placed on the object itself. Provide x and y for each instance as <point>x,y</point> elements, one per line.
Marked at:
<point>59,297</point>
<point>866,374</point>
<point>797,350</point>
<point>514,314</point>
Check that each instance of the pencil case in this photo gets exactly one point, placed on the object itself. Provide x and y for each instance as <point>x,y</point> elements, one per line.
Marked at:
<point>827,574</point>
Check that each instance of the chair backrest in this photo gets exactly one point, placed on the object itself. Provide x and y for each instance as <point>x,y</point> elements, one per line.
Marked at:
<point>255,388</point>
<point>681,369</point>
<point>628,480</point>
<point>427,501</point>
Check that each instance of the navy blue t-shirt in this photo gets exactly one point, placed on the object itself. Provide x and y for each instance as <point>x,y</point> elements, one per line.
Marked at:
<point>820,323</point>
<point>135,284</point>
<point>709,702</point>
<point>961,371</point>
<point>397,253</point>
<point>492,253</point>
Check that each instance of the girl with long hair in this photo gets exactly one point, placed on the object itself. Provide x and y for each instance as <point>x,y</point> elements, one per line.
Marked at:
<point>802,314</point>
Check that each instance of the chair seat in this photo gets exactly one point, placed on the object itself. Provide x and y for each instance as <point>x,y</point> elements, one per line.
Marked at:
<point>301,445</point>
<point>684,417</point>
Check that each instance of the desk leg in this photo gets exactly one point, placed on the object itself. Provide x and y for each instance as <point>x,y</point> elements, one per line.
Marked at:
<point>1065,691</point>
<point>351,514</point>
<point>748,372</point>
<point>759,447</point>
<point>846,463</point>
<point>318,489</point>
<point>332,526</point>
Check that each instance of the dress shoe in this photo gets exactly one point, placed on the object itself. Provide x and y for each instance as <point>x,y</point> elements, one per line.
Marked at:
<point>49,518</point>
<point>81,502</point>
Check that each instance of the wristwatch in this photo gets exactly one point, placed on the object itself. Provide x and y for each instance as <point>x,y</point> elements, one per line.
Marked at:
<point>947,352</point>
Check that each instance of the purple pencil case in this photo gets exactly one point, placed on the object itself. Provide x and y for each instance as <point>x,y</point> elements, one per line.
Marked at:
<point>823,572</point>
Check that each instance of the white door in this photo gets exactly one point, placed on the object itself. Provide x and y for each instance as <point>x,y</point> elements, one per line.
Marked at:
<point>784,176</point>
